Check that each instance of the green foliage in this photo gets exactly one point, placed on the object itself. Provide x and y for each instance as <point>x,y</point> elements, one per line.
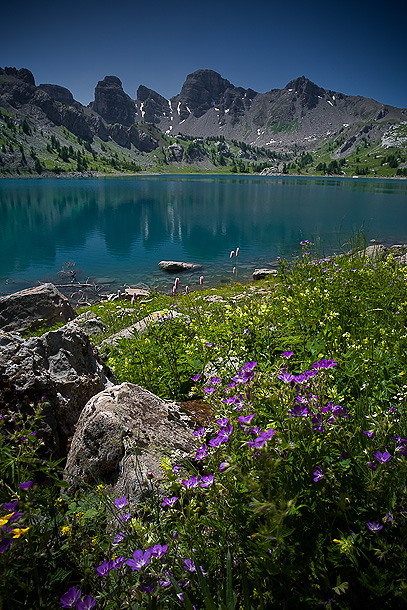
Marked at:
<point>308,503</point>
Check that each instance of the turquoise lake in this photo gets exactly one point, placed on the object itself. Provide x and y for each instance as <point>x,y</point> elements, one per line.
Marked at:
<point>117,230</point>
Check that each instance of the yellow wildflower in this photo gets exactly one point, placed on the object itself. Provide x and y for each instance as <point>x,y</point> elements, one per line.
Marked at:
<point>19,531</point>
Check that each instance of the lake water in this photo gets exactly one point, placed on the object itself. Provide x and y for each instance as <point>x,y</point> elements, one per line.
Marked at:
<point>118,229</point>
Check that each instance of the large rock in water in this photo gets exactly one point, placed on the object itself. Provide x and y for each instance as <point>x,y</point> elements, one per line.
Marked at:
<point>122,434</point>
<point>34,308</point>
<point>176,266</point>
<point>62,366</point>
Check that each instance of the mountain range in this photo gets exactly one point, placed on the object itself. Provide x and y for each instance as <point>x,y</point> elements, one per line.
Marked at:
<point>300,118</point>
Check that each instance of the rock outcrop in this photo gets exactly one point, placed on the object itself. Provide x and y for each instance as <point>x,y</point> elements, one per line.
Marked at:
<point>34,308</point>
<point>62,368</point>
<point>112,103</point>
<point>121,435</point>
<point>262,274</point>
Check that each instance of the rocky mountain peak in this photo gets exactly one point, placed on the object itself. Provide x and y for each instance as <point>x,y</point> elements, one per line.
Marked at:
<point>23,74</point>
<point>112,103</point>
<point>201,90</point>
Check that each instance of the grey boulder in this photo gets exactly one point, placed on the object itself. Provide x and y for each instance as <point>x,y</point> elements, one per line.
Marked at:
<point>34,308</point>
<point>178,266</point>
<point>122,434</point>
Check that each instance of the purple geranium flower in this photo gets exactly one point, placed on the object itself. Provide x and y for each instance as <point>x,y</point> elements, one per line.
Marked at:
<point>196,377</point>
<point>169,501</point>
<point>199,432</point>
<point>382,457</point>
<point>139,560</point>
<point>246,419</point>
<point>214,380</point>
<point>298,411</point>
<point>10,505</point>
<point>287,354</point>
<point>202,452</point>
<point>318,474</point>
<point>119,538</point>
<point>224,420</point>
<point>121,502</point>
<point>117,562</point>
<point>104,568</point>
<point>191,483</point>
<point>285,376</point>
<point>125,517</point>
<point>262,439</point>
<point>216,442</point>
<point>374,526</point>
<point>368,433</point>
<point>209,390</point>
<point>159,551</point>
<point>207,480</point>
<point>87,603</point>
<point>4,544</point>
<point>69,599</point>
<point>223,466</point>
<point>27,485</point>
<point>324,364</point>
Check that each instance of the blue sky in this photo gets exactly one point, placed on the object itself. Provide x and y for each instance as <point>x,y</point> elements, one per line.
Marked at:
<point>357,48</point>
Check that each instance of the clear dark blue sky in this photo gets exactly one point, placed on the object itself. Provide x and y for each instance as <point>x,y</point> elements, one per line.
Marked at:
<point>357,48</point>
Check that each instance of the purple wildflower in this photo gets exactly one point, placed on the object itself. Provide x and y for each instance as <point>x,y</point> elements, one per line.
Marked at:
<point>191,483</point>
<point>207,480</point>
<point>262,439</point>
<point>318,422</point>
<point>10,505</point>
<point>125,517</point>
<point>177,468</point>
<point>87,603</point>
<point>196,377</point>
<point>371,465</point>
<point>223,466</point>
<point>104,568</point>
<point>119,538</point>
<point>287,354</point>
<point>223,421</point>
<point>216,442</point>
<point>324,364</point>
<point>169,501</point>
<point>368,433</point>
<point>69,599</point>
<point>285,376</point>
<point>298,411</point>
<point>199,432</point>
<point>209,390</point>
<point>117,562</point>
<point>214,380</point>
<point>4,545</point>
<point>202,452</point>
<point>246,419</point>
<point>27,485</point>
<point>121,502</point>
<point>318,474</point>
<point>382,457</point>
<point>139,560</point>
<point>159,551</point>
<point>374,526</point>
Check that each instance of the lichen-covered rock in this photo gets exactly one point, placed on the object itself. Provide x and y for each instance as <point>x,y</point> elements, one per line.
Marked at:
<point>34,308</point>
<point>122,434</point>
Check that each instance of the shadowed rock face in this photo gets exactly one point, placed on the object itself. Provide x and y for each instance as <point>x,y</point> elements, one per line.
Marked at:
<point>60,94</point>
<point>122,434</point>
<point>112,103</point>
<point>61,367</point>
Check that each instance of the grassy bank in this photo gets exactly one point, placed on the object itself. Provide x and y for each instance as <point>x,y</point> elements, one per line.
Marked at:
<point>297,497</point>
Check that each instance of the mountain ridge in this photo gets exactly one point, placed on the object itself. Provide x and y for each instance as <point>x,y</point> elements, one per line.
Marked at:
<point>298,118</point>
